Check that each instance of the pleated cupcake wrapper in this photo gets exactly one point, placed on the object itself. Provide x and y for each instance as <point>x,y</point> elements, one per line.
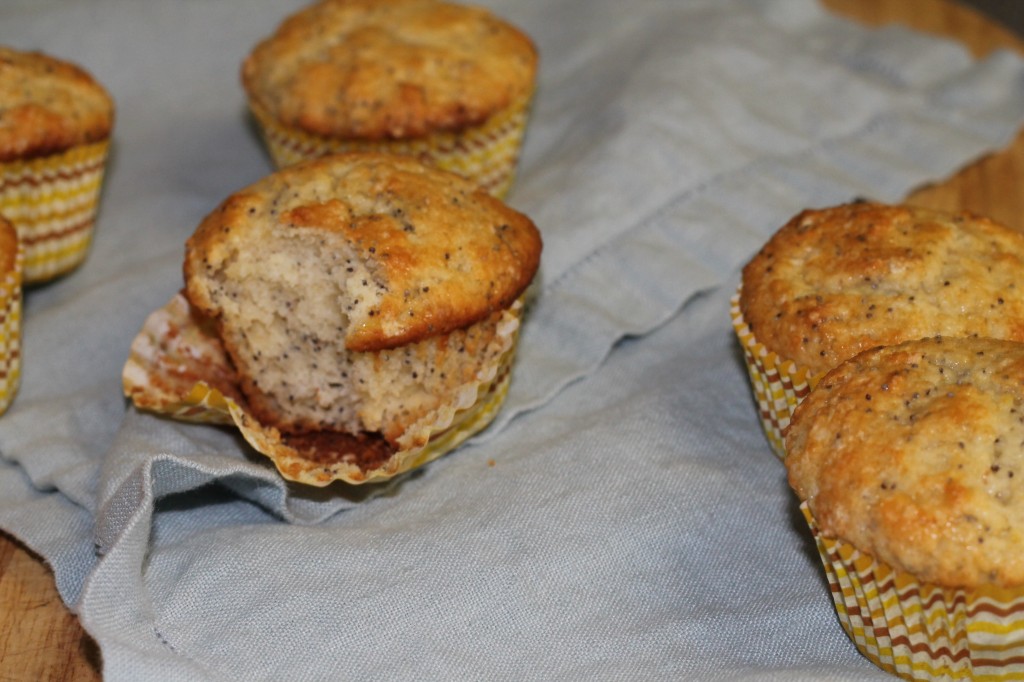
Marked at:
<point>921,631</point>
<point>52,202</point>
<point>10,331</point>
<point>779,385</point>
<point>174,351</point>
<point>487,153</point>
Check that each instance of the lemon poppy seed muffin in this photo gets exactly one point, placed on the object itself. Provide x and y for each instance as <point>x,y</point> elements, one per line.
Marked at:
<point>361,293</point>
<point>914,453</point>
<point>55,126</point>
<point>836,281</point>
<point>444,82</point>
<point>909,463</point>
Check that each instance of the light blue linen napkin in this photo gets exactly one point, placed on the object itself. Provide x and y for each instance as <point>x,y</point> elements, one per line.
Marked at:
<point>624,518</point>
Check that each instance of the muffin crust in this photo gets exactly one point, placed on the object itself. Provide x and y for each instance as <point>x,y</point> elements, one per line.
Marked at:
<point>375,69</point>
<point>836,281</point>
<point>914,454</point>
<point>48,105</point>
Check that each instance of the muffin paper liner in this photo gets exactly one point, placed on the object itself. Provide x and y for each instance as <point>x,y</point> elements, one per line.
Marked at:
<point>922,631</point>
<point>779,385</point>
<point>10,331</point>
<point>487,153</point>
<point>52,202</point>
<point>178,368</point>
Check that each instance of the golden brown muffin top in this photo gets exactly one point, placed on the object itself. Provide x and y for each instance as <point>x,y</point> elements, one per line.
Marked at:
<point>914,454</point>
<point>444,253</point>
<point>8,247</point>
<point>837,281</point>
<point>377,69</point>
<point>48,106</point>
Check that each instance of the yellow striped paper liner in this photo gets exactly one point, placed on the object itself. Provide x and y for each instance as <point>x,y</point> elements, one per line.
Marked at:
<point>921,631</point>
<point>52,201</point>
<point>10,330</point>
<point>169,343</point>
<point>486,153</point>
<point>778,384</point>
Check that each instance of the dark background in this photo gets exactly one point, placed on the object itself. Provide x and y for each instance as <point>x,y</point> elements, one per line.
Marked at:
<point>1010,13</point>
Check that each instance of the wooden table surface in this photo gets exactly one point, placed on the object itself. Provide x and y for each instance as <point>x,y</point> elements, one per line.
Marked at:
<point>41,640</point>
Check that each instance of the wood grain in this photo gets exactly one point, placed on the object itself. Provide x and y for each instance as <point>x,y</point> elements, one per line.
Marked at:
<point>41,640</point>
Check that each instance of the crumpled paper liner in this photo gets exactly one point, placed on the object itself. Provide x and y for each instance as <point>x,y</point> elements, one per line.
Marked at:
<point>779,385</point>
<point>487,153</point>
<point>921,631</point>
<point>10,331</point>
<point>178,368</point>
<point>52,201</point>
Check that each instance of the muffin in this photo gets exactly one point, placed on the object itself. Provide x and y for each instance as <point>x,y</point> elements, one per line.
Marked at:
<point>909,463</point>
<point>365,307</point>
<point>10,313</point>
<point>836,281</point>
<point>55,126</point>
<point>447,83</point>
